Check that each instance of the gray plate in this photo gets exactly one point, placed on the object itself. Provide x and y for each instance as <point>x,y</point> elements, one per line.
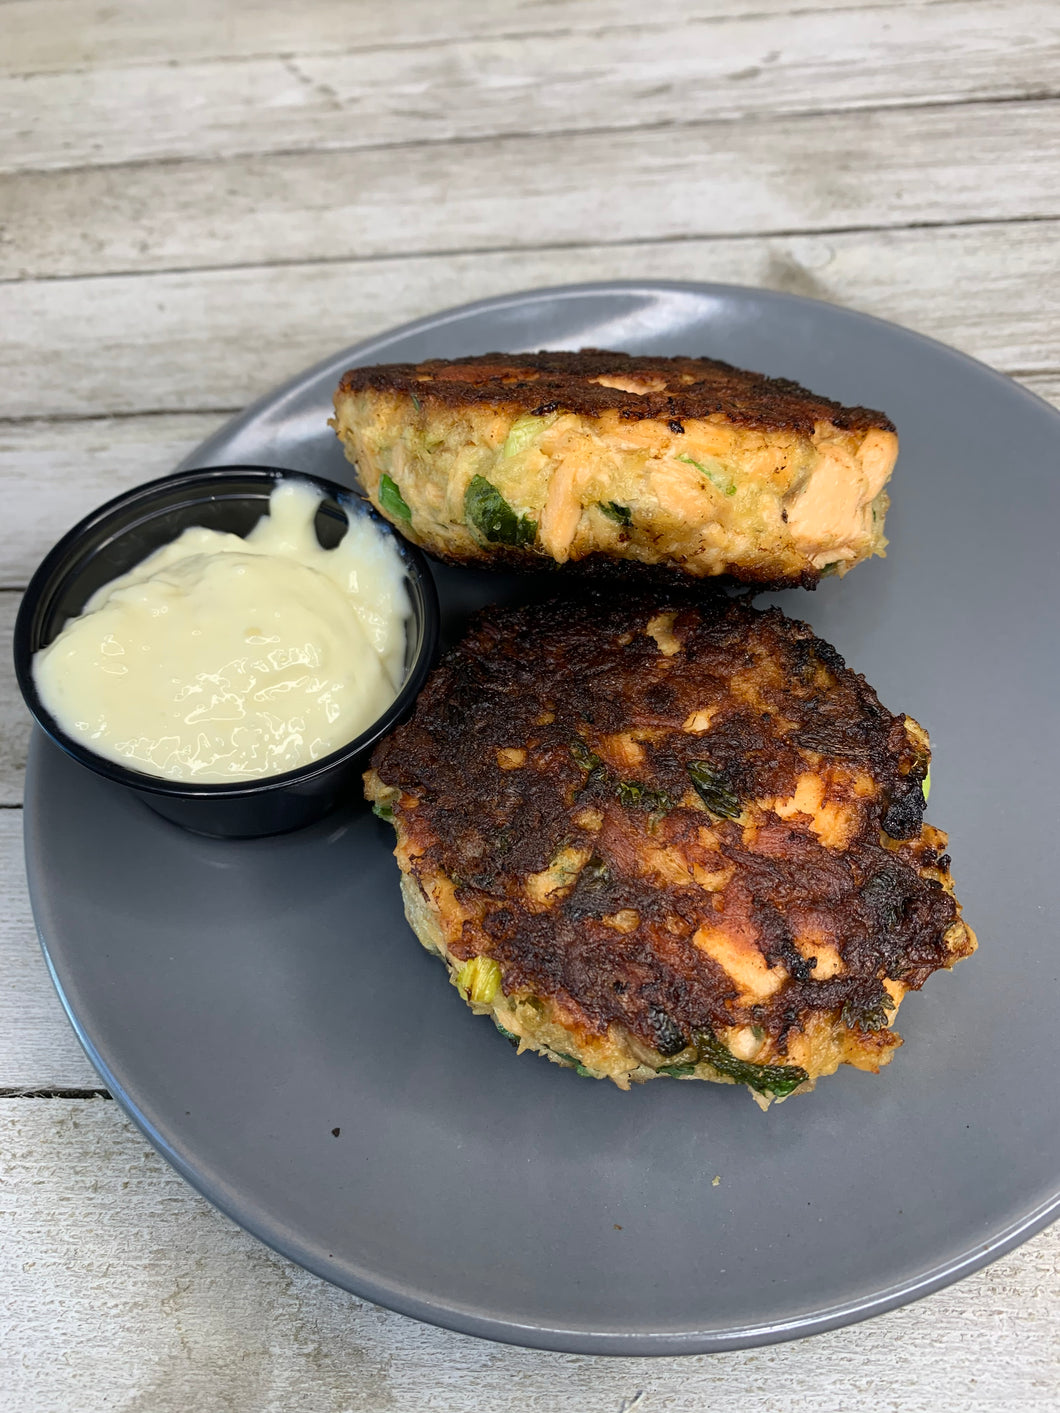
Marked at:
<point>244,1000</point>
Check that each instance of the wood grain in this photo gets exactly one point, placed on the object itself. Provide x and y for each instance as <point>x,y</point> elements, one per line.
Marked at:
<point>1045,386</point>
<point>662,71</point>
<point>38,1048</point>
<point>53,473</point>
<point>199,200</point>
<point>14,721</point>
<point>60,35</point>
<point>136,1287</point>
<point>214,340</point>
<point>814,172</point>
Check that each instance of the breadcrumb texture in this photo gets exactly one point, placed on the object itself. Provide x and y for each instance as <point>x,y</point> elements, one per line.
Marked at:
<point>601,457</point>
<point>682,838</point>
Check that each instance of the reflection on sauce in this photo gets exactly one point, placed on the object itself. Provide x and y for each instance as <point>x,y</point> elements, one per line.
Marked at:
<point>219,659</point>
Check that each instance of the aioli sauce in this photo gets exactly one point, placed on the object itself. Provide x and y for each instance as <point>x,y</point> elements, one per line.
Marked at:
<point>219,659</point>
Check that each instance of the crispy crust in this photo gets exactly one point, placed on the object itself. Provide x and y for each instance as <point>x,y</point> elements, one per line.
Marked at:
<point>676,389</point>
<point>547,819</point>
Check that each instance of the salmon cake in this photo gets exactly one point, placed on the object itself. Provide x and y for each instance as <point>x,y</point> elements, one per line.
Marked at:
<point>677,838</point>
<point>592,458</point>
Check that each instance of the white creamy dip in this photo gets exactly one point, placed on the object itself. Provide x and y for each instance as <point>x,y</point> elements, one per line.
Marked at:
<point>219,659</point>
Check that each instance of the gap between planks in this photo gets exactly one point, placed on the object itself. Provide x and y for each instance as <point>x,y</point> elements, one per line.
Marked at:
<point>382,258</point>
<point>19,1093</point>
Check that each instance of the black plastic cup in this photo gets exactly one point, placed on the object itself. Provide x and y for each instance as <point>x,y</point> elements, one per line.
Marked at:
<point>122,533</point>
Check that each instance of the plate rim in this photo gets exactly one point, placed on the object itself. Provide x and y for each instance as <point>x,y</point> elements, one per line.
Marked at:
<point>540,294</point>
<point>464,1319</point>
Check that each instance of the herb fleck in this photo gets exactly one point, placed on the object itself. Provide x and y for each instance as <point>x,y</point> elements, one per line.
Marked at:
<point>495,520</point>
<point>857,1015</point>
<point>714,477</point>
<point>620,514</point>
<point>778,1080</point>
<point>391,499</point>
<point>633,794</point>
<point>713,789</point>
<point>583,756</point>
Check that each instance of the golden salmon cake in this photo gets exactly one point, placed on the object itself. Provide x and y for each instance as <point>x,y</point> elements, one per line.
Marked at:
<point>596,458</point>
<point>670,838</point>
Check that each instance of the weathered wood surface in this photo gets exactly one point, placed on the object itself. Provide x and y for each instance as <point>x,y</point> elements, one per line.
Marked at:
<point>59,35</point>
<point>53,473</point>
<point>38,1048</point>
<point>198,201</point>
<point>146,1299</point>
<point>803,173</point>
<point>212,340</point>
<point>14,721</point>
<point>662,71</point>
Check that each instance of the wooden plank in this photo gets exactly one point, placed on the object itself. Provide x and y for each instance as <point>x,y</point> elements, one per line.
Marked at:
<point>663,72</point>
<point>216,339</point>
<point>53,473</point>
<point>38,1048</point>
<point>121,1288</point>
<point>887,168</point>
<point>14,718</point>
<point>58,35</point>
<point>1045,385</point>
<point>132,1293</point>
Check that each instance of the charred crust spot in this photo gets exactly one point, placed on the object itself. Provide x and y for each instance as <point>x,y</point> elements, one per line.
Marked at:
<point>623,706</point>
<point>777,944</point>
<point>592,895</point>
<point>824,652</point>
<point>905,813</point>
<point>668,1037</point>
<point>867,1007</point>
<point>676,427</point>
<point>660,697</point>
<point>683,388</point>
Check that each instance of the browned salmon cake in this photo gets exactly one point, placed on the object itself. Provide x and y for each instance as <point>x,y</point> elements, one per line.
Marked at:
<point>670,838</point>
<point>556,458</point>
